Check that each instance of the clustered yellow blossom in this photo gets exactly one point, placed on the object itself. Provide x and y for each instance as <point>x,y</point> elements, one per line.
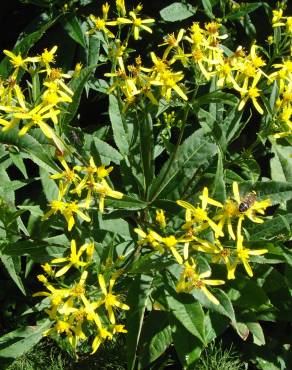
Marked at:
<point>76,182</point>
<point>77,309</point>
<point>17,109</point>
<point>200,50</point>
<point>224,222</point>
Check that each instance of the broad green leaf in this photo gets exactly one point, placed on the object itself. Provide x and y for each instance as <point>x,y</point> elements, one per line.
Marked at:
<point>137,297</point>
<point>49,186</point>
<point>208,8</point>
<point>31,147</point>
<point>177,12</point>
<point>187,346</point>
<point>155,338</point>
<point>188,312</point>
<point>272,228</point>
<point>18,161</point>
<point>6,193</point>
<point>120,135</point>
<point>257,333</point>
<point>215,325</point>
<point>242,10</point>
<point>224,307</point>
<point>218,188</point>
<point>216,97</point>
<point>281,163</point>
<point>74,29</point>
<point>106,152</point>
<point>39,250</point>
<point>19,341</point>
<point>92,51</point>
<point>177,174</point>
<point>246,293</point>
<point>126,203</point>
<point>115,225</point>
<point>10,264</point>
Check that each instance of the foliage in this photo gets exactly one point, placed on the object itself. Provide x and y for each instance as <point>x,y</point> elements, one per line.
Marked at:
<point>164,212</point>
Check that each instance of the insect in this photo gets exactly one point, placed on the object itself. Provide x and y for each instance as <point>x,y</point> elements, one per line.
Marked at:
<point>247,201</point>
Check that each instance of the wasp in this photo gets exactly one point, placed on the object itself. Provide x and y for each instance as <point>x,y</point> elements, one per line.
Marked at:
<point>247,201</point>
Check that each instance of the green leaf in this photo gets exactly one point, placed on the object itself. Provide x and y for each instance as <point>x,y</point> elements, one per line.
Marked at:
<point>137,298</point>
<point>208,8</point>
<point>49,186</point>
<point>281,163</point>
<point>243,9</point>
<point>188,312</point>
<point>126,203</point>
<point>187,346</point>
<point>93,51</point>
<point>216,97</point>
<point>155,338</point>
<point>215,325</point>
<point>195,153</point>
<point>17,342</point>
<point>224,307</point>
<point>219,188</point>
<point>106,152</point>
<point>10,264</point>
<point>18,161</point>
<point>115,225</point>
<point>73,27</point>
<point>257,332</point>
<point>31,147</point>
<point>273,228</point>
<point>177,12</point>
<point>120,135</point>
<point>39,250</point>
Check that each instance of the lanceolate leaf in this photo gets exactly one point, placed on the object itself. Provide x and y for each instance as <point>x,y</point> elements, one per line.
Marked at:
<point>188,312</point>
<point>120,135</point>
<point>16,343</point>
<point>73,27</point>
<point>10,264</point>
<point>155,337</point>
<point>194,153</point>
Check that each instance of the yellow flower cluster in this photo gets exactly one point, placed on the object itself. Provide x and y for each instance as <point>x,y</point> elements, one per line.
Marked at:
<point>198,49</point>
<point>75,181</point>
<point>42,109</point>
<point>198,221</point>
<point>75,309</point>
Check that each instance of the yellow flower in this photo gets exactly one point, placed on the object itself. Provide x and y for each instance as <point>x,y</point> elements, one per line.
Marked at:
<point>109,299</point>
<point>137,23</point>
<point>100,24</point>
<point>190,279</point>
<point>104,190</point>
<point>170,242</point>
<point>252,93</point>
<point>99,338</point>
<point>243,254</point>
<point>199,214</point>
<point>160,218</point>
<point>73,260</point>
<point>18,62</point>
<point>148,239</point>
<point>37,117</point>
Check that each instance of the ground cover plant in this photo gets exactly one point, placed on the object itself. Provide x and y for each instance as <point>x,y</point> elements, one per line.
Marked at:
<point>146,183</point>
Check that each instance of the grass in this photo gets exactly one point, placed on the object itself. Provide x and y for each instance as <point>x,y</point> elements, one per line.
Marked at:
<point>47,355</point>
<point>215,357</point>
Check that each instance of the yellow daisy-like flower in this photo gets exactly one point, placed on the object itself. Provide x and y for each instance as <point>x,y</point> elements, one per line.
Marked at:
<point>137,23</point>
